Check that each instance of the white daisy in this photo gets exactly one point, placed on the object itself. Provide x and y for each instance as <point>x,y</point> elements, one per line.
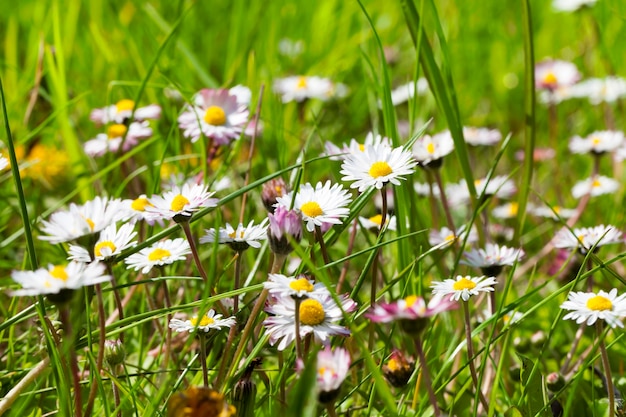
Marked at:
<point>3,162</point>
<point>78,221</point>
<point>204,324</point>
<point>374,222</point>
<point>491,259</point>
<point>481,136</point>
<point>554,212</point>
<point>588,237</point>
<point>445,237</point>
<point>500,186</point>
<point>598,142</point>
<point>241,238</point>
<point>181,202</point>
<point>600,90</point>
<point>56,278</point>
<point>571,5</point>
<point>136,211</point>
<point>112,241</point>
<point>424,189</point>
<point>457,194</point>
<point>339,154</point>
<point>506,211</point>
<point>463,287</point>
<point>121,111</point>
<point>332,369</point>
<point>551,74</point>
<point>317,316</point>
<point>376,166</point>
<point>242,93</point>
<point>216,114</point>
<point>319,205</point>
<point>595,186</point>
<point>430,150</point>
<point>299,286</point>
<point>588,307</point>
<point>301,87</point>
<point>162,253</point>
<point>405,92</point>
<point>114,138</point>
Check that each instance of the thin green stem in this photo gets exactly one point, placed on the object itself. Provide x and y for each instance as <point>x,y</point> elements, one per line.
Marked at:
<point>470,356</point>
<point>64,314</point>
<point>320,238</point>
<point>426,376</point>
<point>205,372</point>
<point>297,301</point>
<point>100,357</point>
<point>607,369</point>
<point>444,200</point>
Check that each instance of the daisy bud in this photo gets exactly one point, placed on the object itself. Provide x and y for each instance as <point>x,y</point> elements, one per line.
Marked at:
<point>555,381</point>
<point>284,223</point>
<point>332,369</point>
<point>244,392</point>
<point>272,189</point>
<point>114,352</point>
<point>398,369</point>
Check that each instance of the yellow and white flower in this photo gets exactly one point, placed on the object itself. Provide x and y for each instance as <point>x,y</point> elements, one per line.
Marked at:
<point>598,142</point>
<point>118,135</point>
<point>430,150</point>
<point>204,324</point>
<point>481,136</point>
<point>300,286</point>
<point>121,111</point>
<point>463,287</point>
<point>241,238</point>
<point>56,278</point>
<point>302,87</point>
<point>162,253</point>
<point>588,307</point>
<point>595,186</point>
<point>588,237</point>
<point>112,241</point>
<point>181,202</point>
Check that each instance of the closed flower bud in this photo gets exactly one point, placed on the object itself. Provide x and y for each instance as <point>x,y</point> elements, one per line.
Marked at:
<point>114,352</point>
<point>284,223</point>
<point>271,190</point>
<point>398,369</point>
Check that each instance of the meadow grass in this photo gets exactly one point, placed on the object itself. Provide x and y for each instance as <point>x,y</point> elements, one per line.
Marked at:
<point>59,60</point>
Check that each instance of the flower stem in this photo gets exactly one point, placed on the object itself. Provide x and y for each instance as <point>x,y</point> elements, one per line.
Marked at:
<point>100,357</point>
<point>426,376</point>
<point>116,295</point>
<point>373,286</point>
<point>344,268</point>
<point>205,372</point>
<point>116,391</point>
<point>64,313</point>
<point>297,301</point>
<point>470,355</point>
<point>331,410</point>
<point>320,238</point>
<point>607,369</point>
<point>444,201</point>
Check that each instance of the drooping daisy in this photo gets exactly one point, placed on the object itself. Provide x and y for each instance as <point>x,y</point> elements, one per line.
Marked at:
<point>445,237</point>
<point>588,237</point>
<point>121,111</point>
<point>299,286</point>
<point>3,162</point>
<point>430,150</point>
<point>481,136</point>
<point>492,259</point>
<point>162,253</point>
<point>284,225</point>
<point>595,186</point>
<point>398,368</point>
<point>318,316</point>
<point>181,202</point>
<point>111,242</point>
<point>203,324</point>
<point>59,279</point>
<point>600,90</point>
<point>405,92</point>
<point>332,369</point>
<point>571,5</point>
<point>325,203</point>
<point>463,287</point>
<point>597,143</point>
<point>552,74</point>
<point>113,139</point>
<point>376,166</point>
<point>216,114</point>
<point>78,221</point>
<point>554,212</point>
<point>339,154</point>
<point>238,239</point>
<point>375,221</point>
<point>301,87</point>
<point>588,307</point>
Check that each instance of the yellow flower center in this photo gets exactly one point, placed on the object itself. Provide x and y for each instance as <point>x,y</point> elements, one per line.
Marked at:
<point>394,365</point>
<point>513,209</point>
<point>301,284</point>
<point>599,303</point>
<point>581,239</point>
<point>430,148</point>
<point>380,169</point>
<point>204,321</point>
<point>140,204</point>
<point>116,131</point>
<point>90,223</point>
<point>311,209</point>
<point>124,104</point>
<point>556,209</point>
<point>449,238</point>
<point>105,244</point>
<point>596,140</point>
<point>464,284</point>
<point>410,300</point>
<point>323,370</point>
<point>311,312</point>
<point>301,83</point>
<point>376,219</point>
<point>596,183</point>
<point>549,78</point>
<point>215,116</point>
<point>58,272</point>
<point>178,203</point>
<point>361,147</point>
<point>158,254</point>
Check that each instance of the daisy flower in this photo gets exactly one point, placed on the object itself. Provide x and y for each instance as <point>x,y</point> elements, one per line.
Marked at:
<point>136,211</point>
<point>299,286</point>
<point>554,212</point>
<point>481,136</point>
<point>458,194</point>
<point>79,221</point>
<point>180,203</point>
<point>121,111</point>
<point>375,221</point>
<point>597,143</point>
<point>376,166</point>
<point>3,162</point>
<point>491,259</point>
<point>112,241</point>
<point>300,87</point>
<point>162,253</point>
<point>600,90</point>
<point>552,74</point>
<point>319,205</point>
<point>398,368</point>
<point>284,224</point>
<point>588,237</point>
<point>424,189</point>
<point>238,239</point>
<point>216,114</point>
<point>595,186</point>
<point>113,139</point>
<point>204,324</point>
<point>58,279</point>
<point>506,211</point>
<point>445,237</point>
<point>405,92</point>
<point>500,186</point>
<point>318,316</point>
<point>430,150</point>
<point>571,5</point>
<point>588,307</point>
<point>339,154</point>
<point>463,287</point>
<point>332,369</point>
